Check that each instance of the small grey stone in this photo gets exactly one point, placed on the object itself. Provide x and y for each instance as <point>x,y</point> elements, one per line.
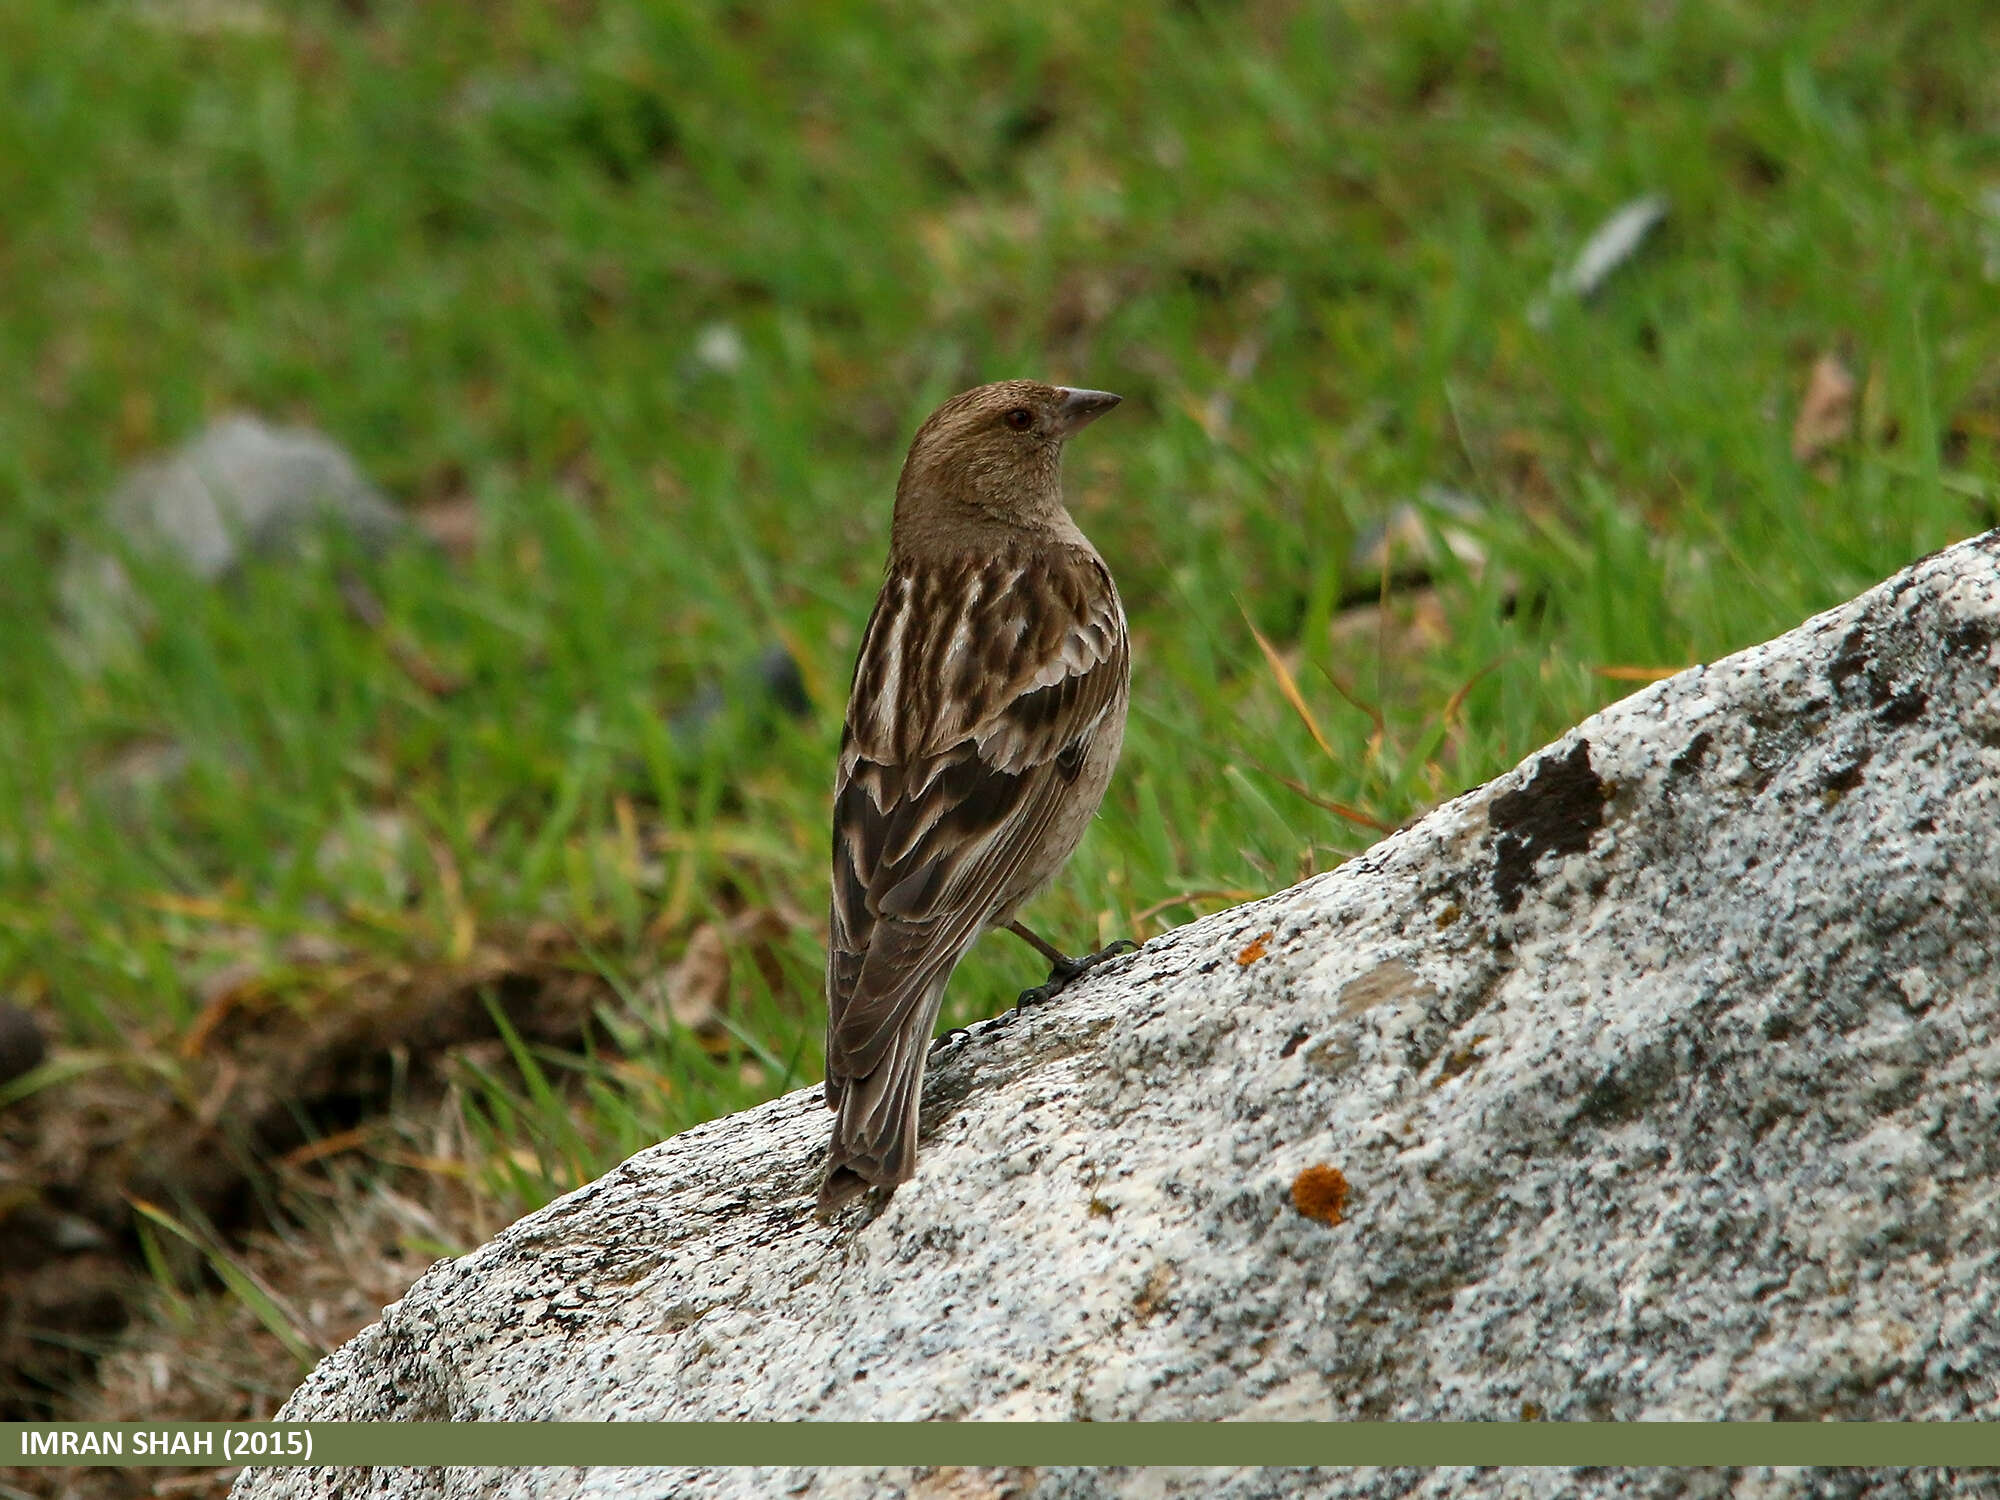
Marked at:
<point>720,347</point>
<point>242,488</point>
<point>1610,245</point>
<point>1406,541</point>
<point>772,681</point>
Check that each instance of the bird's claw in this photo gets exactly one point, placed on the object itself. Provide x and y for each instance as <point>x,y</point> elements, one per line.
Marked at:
<point>956,1034</point>
<point>1040,994</point>
<point>1067,971</point>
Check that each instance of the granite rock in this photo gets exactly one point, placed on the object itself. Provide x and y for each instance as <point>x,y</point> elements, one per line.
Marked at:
<point>1654,1079</point>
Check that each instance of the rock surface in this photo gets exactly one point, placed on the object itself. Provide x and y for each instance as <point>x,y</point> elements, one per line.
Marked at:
<point>1655,1079</point>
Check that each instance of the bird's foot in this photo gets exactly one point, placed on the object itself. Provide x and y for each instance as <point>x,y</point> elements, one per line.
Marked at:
<point>956,1034</point>
<point>1064,972</point>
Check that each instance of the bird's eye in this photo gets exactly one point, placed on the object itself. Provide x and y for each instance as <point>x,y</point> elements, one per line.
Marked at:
<point>1020,419</point>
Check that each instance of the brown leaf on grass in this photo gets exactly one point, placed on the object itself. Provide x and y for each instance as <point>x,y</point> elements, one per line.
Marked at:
<point>422,669</point>
<point>1379,734</point>
<point>698,986</point>
<point>1457,700</point>
<point>463,925</point>
<point>327,1145</point>
<point>453,523</point>
<point>1826,414</point>
<point>1287,685</point>
<point>221,1090</point>
<point>1338,809</point>
<point>221,993</point>
<point>1527,467</point>
<point>415,663</point>
<point>1189,898</point>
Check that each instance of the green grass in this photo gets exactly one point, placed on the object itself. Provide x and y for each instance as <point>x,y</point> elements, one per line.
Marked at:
<point>480,244</point>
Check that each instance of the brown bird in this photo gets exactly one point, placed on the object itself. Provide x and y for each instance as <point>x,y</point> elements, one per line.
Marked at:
<point>986,714</point>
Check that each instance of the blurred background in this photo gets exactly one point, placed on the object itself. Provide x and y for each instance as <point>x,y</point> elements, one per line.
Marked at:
<point>445,463</point>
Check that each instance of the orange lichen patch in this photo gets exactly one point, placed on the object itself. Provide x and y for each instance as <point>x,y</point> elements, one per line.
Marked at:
<point>1320,1192</point>
<point>1255,949</point>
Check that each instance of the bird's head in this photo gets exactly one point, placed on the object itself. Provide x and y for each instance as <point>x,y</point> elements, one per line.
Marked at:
<point>995,452</point>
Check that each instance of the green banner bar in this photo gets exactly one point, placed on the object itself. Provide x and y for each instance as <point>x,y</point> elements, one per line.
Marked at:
<point>203,1444</point>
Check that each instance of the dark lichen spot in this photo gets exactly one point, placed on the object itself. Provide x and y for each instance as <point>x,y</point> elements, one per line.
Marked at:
<point>1331,1056</point>
<point>1555,813</point>
<point>1903,708</point>
<point>1293,1042</point>
<point>1463,1060</point>
<point>1246,1207</point>
<point>681,1315</point>
<point>1616,1101</point>
<point>1691,759</point>
<point>1153,1295</point>
<point>1969,637</point>
<point>1851,659</point>
<point>1843,779</point>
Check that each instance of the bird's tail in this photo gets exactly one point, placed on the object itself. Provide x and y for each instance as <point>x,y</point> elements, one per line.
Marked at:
<point>875,1117</point>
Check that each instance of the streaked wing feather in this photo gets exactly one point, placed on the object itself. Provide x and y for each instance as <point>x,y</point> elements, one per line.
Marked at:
<point>942,796</point>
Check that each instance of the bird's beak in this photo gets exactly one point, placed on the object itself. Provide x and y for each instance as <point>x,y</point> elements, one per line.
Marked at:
<point>1080,408</point>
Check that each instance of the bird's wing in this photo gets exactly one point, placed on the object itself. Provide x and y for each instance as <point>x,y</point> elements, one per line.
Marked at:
<point>976,698</point>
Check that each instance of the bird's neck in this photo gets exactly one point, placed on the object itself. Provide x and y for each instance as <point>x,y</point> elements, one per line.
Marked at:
<point>937,523</point>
